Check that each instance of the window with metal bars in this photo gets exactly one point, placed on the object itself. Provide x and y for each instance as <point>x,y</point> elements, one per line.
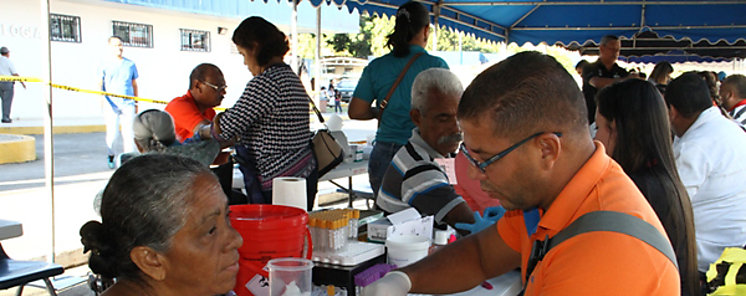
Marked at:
<point>134,35</point>
<point>194,40</point>
<point>65,28</point>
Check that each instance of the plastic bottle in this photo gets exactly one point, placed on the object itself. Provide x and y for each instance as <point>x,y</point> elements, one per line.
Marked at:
<point>440,239</point>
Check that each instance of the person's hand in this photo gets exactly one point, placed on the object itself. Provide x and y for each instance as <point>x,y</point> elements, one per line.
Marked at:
<point>491,215</point>
<point>394,283</point>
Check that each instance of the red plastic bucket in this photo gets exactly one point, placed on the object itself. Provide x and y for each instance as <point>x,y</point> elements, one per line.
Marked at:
<point>268,231</point>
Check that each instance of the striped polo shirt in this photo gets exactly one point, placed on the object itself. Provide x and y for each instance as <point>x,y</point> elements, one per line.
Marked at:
<point>414,179</point>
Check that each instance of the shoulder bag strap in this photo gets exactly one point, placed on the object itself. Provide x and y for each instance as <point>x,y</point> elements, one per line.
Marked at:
<point>316,110</point>
<point>398,80</point>
<point>603,221</point>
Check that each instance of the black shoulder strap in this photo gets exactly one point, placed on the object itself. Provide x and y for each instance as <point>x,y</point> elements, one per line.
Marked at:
<point>603,221</point>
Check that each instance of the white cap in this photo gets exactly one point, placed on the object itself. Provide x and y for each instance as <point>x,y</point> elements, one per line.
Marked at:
<point>441,237</point>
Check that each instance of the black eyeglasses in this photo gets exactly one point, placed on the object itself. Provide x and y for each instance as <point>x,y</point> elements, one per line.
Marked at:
<point>482,165</point>
<point>215,87</point>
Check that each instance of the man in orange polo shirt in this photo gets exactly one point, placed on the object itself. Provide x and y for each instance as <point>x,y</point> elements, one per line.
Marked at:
<point>194,109</point>
<point>526,134</point>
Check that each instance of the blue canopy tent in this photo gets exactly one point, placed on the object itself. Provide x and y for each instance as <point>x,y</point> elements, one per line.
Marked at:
<point>648,47</point>
<point>674,56</point>
<point>577,21</point>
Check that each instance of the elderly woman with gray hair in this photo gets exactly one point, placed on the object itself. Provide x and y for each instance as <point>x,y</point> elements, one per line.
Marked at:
<point>154,133</point>
<point>164,230</point>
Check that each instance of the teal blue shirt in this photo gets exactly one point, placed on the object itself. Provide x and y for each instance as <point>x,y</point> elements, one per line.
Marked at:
<point>377,79</point>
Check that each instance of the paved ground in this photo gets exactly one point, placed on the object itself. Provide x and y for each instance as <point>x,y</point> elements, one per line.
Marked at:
<point>80,172</point>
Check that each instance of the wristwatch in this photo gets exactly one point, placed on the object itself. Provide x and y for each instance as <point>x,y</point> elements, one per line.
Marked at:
<point>376,111</point>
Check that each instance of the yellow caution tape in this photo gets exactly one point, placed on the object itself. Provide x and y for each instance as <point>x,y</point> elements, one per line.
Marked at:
<point>81,90</point>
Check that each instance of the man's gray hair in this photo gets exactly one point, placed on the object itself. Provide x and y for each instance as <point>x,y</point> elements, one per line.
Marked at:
<point>440,79</point>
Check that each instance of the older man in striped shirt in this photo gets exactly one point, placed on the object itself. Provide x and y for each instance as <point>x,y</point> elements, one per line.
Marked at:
<point>414,178</point>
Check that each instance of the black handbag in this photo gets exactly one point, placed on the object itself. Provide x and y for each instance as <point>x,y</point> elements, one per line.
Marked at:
<point>328,152</point>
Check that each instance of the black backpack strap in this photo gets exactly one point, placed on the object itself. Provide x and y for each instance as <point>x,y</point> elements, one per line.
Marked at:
<point>603,221</point>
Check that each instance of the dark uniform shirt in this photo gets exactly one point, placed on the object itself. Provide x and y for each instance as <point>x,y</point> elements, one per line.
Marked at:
<point>597,69</point>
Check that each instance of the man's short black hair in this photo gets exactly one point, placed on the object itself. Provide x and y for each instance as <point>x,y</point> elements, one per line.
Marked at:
<point>607,38</point>
<point>582,64</point>
<point>200,72</point>
<point>689,94</point>
<point>737,83</point>
<point>526,93</point>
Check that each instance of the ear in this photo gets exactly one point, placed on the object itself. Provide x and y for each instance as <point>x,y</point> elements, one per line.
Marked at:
<point>150,262</point>
<point>673,114</point>
<point>139,148</point>
<point>195,86</point>
<point>414,114</point>
<point>550,148</point>
<point>612,127</point>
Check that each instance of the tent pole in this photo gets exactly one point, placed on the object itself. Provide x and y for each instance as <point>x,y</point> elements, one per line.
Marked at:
<point>46,75</point>
<point>436,17</point>
<point>318,79</point>
<point>294,37</point>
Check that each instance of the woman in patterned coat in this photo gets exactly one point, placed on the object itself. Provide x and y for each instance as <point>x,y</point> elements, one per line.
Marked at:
<point>270,121</point>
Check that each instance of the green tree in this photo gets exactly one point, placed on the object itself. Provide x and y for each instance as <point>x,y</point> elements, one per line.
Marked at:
<point>448,41</point>
<point>370,41</point>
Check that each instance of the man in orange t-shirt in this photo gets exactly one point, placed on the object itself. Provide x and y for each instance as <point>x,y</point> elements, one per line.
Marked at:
<point>526,134</point>
<point>194,109</point>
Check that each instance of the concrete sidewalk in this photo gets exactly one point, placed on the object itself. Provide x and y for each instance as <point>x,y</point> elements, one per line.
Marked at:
<point>35,126</point>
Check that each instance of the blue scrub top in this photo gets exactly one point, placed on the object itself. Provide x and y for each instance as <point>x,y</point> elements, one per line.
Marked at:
<point>117,76</point>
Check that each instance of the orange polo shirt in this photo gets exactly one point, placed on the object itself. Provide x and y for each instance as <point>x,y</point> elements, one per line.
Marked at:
<point>594,263</point>
<point>186,115</point>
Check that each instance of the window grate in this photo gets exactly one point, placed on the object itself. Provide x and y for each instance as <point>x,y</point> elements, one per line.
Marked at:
<point>194,40</point>
<point>134,35</point>
<point>65,28</point>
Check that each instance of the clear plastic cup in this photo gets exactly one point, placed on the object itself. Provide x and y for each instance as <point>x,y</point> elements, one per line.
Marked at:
<point>290,277</point>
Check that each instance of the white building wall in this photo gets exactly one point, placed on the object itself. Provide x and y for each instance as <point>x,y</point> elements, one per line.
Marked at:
<point>163,69</point>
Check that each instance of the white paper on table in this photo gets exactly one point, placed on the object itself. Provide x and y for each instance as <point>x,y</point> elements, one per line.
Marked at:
<point>420,227</point>
<point>404,216</point>
<point>449,166</point>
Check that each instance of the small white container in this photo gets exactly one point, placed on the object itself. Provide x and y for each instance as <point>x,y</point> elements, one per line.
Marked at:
<point>406,249</point>
<point>290,276</point>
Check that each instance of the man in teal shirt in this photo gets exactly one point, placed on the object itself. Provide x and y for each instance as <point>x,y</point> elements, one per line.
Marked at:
<point>395,125</point>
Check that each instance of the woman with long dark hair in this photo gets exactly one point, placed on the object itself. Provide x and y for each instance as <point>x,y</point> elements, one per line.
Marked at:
<point>407,58</point>
<point>661,75</point>
<point>270,120</point>
<point>633,124</point>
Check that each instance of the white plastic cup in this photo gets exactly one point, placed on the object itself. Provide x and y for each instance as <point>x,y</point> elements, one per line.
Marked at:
<point>290,277</point>
<point>406,249</point>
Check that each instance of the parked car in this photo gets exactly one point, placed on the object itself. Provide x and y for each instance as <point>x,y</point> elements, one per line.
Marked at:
<point>346,87</point>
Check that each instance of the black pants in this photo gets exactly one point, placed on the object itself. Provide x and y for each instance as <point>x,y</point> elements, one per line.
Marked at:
<point>224,173</point>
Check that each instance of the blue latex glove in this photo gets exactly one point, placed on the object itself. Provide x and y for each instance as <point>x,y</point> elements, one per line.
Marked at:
<point>491,215</point>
